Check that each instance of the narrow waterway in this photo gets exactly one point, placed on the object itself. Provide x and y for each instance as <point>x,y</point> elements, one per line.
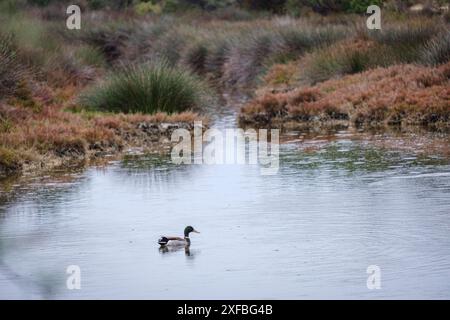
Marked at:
<point>310,231</point>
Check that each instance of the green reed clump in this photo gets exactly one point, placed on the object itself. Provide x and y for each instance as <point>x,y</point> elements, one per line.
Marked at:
<point>246,56</point>
<point>341,59</point>
<point>171,45</point>
<point>90,56</point>
<point>405,40</point>
<point>9,161</point>
<point>34,39</point>
<point>196,56</point>
<point>11,71</point>
<point>437,50</point>
<point>251,53</point>
<point>297,40</point>
<point>147,88</point>
<point>109,38</point>
<point>217,56</point>
<point>412,33</point>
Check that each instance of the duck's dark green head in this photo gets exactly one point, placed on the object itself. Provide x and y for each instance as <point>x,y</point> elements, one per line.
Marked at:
<point>188,230</point>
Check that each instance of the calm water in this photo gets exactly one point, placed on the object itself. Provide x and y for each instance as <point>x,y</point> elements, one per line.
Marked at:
<point>308,232</point>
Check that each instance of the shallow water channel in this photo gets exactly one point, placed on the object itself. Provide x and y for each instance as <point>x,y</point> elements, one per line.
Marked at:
<point>310,231</point>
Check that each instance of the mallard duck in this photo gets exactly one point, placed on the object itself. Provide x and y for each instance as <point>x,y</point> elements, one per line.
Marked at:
<point>178,241</point>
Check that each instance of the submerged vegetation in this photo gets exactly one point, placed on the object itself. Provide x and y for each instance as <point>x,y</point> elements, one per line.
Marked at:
<point>77,93</point>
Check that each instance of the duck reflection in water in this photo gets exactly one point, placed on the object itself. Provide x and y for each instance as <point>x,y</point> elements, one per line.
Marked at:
<point>187,250</point>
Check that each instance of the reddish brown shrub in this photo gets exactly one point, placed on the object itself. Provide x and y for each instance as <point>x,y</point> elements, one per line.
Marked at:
<point>403,94</point>
<point>304,95</point>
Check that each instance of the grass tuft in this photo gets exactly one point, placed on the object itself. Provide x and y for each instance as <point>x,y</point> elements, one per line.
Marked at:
<point>147,88</point>
<point>340,59</point>
<point>405,40</point>
<point>437,50</point>
<point>11,72</point>
<point>9,161</point>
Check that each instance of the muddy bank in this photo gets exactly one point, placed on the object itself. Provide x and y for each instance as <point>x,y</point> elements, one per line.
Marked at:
<point>141,137</point>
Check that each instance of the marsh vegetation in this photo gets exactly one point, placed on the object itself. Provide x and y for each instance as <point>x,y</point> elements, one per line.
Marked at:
<point>83,93</point>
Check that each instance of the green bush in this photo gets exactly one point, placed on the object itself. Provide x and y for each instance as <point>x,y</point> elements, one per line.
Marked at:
<point>100,4</point>
<point>360,6</point>
<point>96,4</point>
<point>5,125</point>
<point>11,6</point>
<point>217,4</point>
<point>268,5</point>
<point>41,3</point>
<point>148,89</point>
<point>146,7</point>
<point>294,7</point>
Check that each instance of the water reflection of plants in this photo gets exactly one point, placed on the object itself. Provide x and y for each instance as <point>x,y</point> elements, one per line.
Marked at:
<point>43,283</point>
<point>44,197</point>
<point>153,169</point>
<point>353,157</point>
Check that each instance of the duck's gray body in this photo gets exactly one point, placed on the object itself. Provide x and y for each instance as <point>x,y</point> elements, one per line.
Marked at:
<point>169,241</point>
<point>179,243</point>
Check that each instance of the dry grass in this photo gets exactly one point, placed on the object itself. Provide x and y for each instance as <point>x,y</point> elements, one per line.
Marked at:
<point>9,161</point>
<point>282,74</point>
<point>56,133</point>
<point>232,52</point>
<point>437,50</point>
<point>400,95</point>
<point>53,129</point>
<point>347,57</point>
<point>11,71</point>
